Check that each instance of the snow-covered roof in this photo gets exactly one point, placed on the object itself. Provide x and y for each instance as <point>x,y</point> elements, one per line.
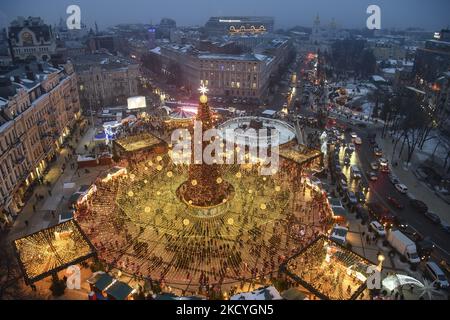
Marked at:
<point>377,78</point>
<point>156,50</point>
<point>267,293</point>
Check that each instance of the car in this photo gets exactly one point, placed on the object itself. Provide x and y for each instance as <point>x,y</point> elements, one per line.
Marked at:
<point>433,217</point>
<point>353,135</point>
<point>378,228</point>
<point>395,203</point>
<point>420,206</point>
<point>400,223</point>
<point>374,165</point>
<point>339,234</point>
<point>383,162</point>
<point>357,141</point>
<point>372,175</point>
<point>378,152</point>
<point>355,173</point>
<point>351,147</point>
<point>425,248</point>
<point>347,161</point>
<point>380,213</point>
<point>401,188</point>
<point>360,196</point>
<point>393,179</point>
<point>351,198</point>
<point>445,226</point>
<point>362,213</point>
<point>436,274</point>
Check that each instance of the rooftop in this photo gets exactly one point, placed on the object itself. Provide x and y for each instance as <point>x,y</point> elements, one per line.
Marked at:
<point>103,60</point>
<point>138,142</point>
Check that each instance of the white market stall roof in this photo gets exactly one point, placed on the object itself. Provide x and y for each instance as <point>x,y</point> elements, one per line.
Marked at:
<point>269,112</point>
<point>266,293</point>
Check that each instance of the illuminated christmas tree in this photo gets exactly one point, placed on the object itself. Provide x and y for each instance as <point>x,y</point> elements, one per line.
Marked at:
<point>205,187</point>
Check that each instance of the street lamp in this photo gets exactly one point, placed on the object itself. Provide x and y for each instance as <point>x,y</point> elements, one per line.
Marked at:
<point>381,258</point>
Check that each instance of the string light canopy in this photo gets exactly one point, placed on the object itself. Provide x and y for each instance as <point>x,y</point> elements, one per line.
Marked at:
<point>329,271</point>
<point>51,250</point>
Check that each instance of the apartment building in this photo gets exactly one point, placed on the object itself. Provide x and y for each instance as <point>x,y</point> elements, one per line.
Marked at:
<point>106,80</point>
<point>39,105</point>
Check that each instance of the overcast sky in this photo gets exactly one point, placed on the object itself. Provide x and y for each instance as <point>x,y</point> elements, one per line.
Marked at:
<point>427,14</point>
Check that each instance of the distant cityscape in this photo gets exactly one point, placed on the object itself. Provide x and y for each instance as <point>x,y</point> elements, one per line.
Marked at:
<point>86,113</point>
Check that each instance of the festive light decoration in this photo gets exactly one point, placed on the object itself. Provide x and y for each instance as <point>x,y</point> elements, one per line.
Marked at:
<point>329,271</point>
<point>51,250</point>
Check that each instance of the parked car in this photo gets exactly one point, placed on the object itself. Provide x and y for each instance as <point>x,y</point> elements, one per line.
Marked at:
<point>378,228</point>
<point>353,135</point>
<point>360,196</point>
<point>374,165</point>
<point>395,203</point>
<point>339,234</point>
<point>420,206</point>
<point>378,152</point>
<point>401,188</point>
<point>372,175</point>
<point>393,179</point>
<point>351,198</point>
<point>362,213</point>
<point>357,141</point>
<point>433,217</point>
<point>436,274</point>
<point>445,226</point>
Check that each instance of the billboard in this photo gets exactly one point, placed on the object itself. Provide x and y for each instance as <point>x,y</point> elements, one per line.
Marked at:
<point>136,103</point>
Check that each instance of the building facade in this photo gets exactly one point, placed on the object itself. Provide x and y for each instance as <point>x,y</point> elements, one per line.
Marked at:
<point>228,75</point>
<point>31,39</point>
<point>37,110</point>
<point>106,80</point>
<point>434,58</point>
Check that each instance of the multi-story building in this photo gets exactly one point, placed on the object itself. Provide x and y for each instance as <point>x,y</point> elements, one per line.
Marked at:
<point>245,75</point>
<point>229,75</point>
<point>106,80</point>
<point>31,39</point>
<point>219,26</point>
<point>39,104</point>
<point>386,50</point>
<point>434,58</point>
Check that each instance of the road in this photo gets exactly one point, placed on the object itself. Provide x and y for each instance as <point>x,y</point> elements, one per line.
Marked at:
<point>381,189</point>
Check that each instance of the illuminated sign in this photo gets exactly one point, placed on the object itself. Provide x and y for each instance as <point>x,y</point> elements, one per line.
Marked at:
<point>229,21</point>
<point>243,29</point>
<point>136,103</point>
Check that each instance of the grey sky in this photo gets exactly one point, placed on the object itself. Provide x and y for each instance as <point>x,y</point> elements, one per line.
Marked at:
<point>428,14</point>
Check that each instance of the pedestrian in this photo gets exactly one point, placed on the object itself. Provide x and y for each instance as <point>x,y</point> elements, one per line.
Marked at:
<point>49,192</point>
<point>34,208</point>
<point>26,223</point>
